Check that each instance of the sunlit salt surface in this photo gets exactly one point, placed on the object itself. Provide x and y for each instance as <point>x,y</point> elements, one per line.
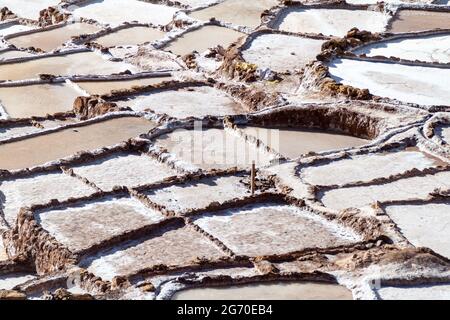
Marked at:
<point>173,247</point>
<point>54,38</point>
<point>268,291</point>
<point>419,292</point>
<point>428,49</point>
<point>41,149</point>
<point>292,143</point>
<point>367,167</point>
<point>115,12</point>
<point>418,20</point>
<point>37,100</point>
<point>202,39</point>
<point>185,102</point>
<point>39,189</point>
<point>274,229</point>
<point>281,52</point>
<point>80,227</point>
<point>402,189</point>
<point>336,22</point>
<point>184,197</point>
<point>12,54</point>
<point>212,148</point>
<point>237,12</point>
<point>82,63</point>
<point>130,36</point>
<point>425,225</point>
<point>121,169</point>
<point>414,84</point>
<point>7,29</point>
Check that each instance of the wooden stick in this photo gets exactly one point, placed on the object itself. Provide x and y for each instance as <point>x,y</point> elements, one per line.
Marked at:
<point>252,178</point>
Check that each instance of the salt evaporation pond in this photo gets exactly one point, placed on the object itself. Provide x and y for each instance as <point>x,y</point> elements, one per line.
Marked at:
<point>49,40</point>
<point>268,291</point>
<point>115,12</point>
<point>82,63</point>
<point>274,229</point>
<point>281,52</point>
<point>173,247</point>
<point>203,101</point>
<point>237,12</point>
<point>130,36</point>
<point>292,143</point>
<point>41,149</point>
<point>419,20</point>
<point>129,170</point>
<point>402,189</point>
<point>212,149</point>
<point>81,226</point>
<point>424,225</point>
<point>332,22</point>
<point>428,49</point>
<point>368,167</point>
<point>202,39</point>
<point>414,84</point>
<point>37,100</point>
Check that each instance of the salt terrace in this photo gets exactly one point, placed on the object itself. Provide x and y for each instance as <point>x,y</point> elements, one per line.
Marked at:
<point>128,130</point>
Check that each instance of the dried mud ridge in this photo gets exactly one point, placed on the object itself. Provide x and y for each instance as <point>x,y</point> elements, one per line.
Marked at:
<point>266,100</point>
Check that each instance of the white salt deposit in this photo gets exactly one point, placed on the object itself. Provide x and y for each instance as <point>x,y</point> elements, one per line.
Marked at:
<point>115,12</point>
<point>426,225</point>
<point>39,189</point>
<point>366,167</point>
<point>335,22</point>
<point>281,52</point>
<point>414,84</point>
<point>425,292</point>
<point>403,189</point>
<point>428,49</point>
<point>124,170</point>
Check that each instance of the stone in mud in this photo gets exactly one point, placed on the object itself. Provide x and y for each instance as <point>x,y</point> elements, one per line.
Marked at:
<point>91,107</point>
<point>51,16</point>
<point>64,294</point>
<point>6,14</point>
<point>12,295</point>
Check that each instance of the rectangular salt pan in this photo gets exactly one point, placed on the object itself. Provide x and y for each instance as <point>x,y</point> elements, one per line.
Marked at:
<point>87,224</point>
<point>274,229</point>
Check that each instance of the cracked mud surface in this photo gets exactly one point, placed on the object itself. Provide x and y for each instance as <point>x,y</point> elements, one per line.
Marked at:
<point>127,135</point>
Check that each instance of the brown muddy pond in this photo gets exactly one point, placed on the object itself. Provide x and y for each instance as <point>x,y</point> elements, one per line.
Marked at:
<point>292,143</point>
<point>202,39</point>
<point>51,39</point>
<point>269,291</point>
<point>81,63</point>
<point>41,149</point>
<point>130,36</point>
<point>105,87</point>
<point>237,12</point>
<point>37,100</point>
<point>419,20</point>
